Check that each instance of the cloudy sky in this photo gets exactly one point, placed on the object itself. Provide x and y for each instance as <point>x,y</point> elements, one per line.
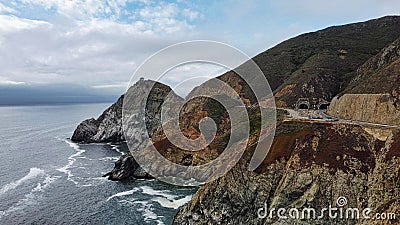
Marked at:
<point>77,50</point>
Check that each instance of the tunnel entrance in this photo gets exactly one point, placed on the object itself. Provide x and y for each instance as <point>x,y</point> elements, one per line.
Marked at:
<point>312,103</point>
<point>303,106</point>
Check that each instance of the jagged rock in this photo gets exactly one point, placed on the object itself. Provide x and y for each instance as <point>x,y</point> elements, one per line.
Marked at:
<point>106,128</point>
<point>125,168</point>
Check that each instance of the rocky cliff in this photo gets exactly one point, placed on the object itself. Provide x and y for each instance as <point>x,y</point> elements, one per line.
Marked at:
<point>310,165</point>
<point>106,128</point>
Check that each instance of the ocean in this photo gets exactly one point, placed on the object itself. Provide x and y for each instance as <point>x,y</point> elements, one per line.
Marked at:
<point>47,179</point>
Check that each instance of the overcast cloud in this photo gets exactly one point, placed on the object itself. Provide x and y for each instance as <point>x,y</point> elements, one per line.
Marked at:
<point>97,45</point>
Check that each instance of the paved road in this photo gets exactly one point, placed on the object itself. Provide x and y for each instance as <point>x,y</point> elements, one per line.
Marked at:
<point>309,115</point>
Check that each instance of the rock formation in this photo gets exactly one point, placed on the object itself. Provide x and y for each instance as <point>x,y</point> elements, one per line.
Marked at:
<point>126,168</point>
<point>106,128</point>
<point>310,165</point>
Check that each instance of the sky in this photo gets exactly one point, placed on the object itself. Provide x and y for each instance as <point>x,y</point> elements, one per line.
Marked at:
<point>84,51</point>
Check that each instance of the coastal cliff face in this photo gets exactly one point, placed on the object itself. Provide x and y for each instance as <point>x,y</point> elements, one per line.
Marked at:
<point>312,164</point>
<point>106,128</point>
<point>309,166</point>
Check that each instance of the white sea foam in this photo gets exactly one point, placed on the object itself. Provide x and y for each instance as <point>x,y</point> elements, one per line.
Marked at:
<point>146,190</point>
<point>71,160</point>
<point>145,208</point>
<point>173,204</point>
<point>109,159</point>
<point>33,173</point>
<point>124,193</point>
<point>150,191</point>
<point>147,212</point>
<point>165,199</point>
<point>116,148</point>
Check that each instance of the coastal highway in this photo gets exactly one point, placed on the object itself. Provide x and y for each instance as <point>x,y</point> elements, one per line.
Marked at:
<point>320,116</point>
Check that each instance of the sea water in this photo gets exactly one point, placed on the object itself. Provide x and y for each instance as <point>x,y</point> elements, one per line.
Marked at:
<point>47,179</point>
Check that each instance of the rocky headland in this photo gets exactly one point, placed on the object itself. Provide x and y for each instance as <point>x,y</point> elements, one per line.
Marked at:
<point>311,163</point>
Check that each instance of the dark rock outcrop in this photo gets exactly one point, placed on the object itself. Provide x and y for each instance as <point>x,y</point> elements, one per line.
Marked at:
<point>127,168</point>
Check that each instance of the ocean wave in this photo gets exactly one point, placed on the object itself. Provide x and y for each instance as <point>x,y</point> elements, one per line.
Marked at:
<point>33,173</point>
<point>71,160</point>
<point>110,158</point>
<point>162,197</point>
<point>165,199</point>
<point>32,197</point>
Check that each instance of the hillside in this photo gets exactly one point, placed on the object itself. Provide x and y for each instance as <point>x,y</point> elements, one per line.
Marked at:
<point>380,74</point>
<point>321,64</point>
<point>374,94</point>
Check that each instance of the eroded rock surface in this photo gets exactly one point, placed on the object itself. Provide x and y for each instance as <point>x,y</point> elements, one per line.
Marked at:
<point>308,166</point>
